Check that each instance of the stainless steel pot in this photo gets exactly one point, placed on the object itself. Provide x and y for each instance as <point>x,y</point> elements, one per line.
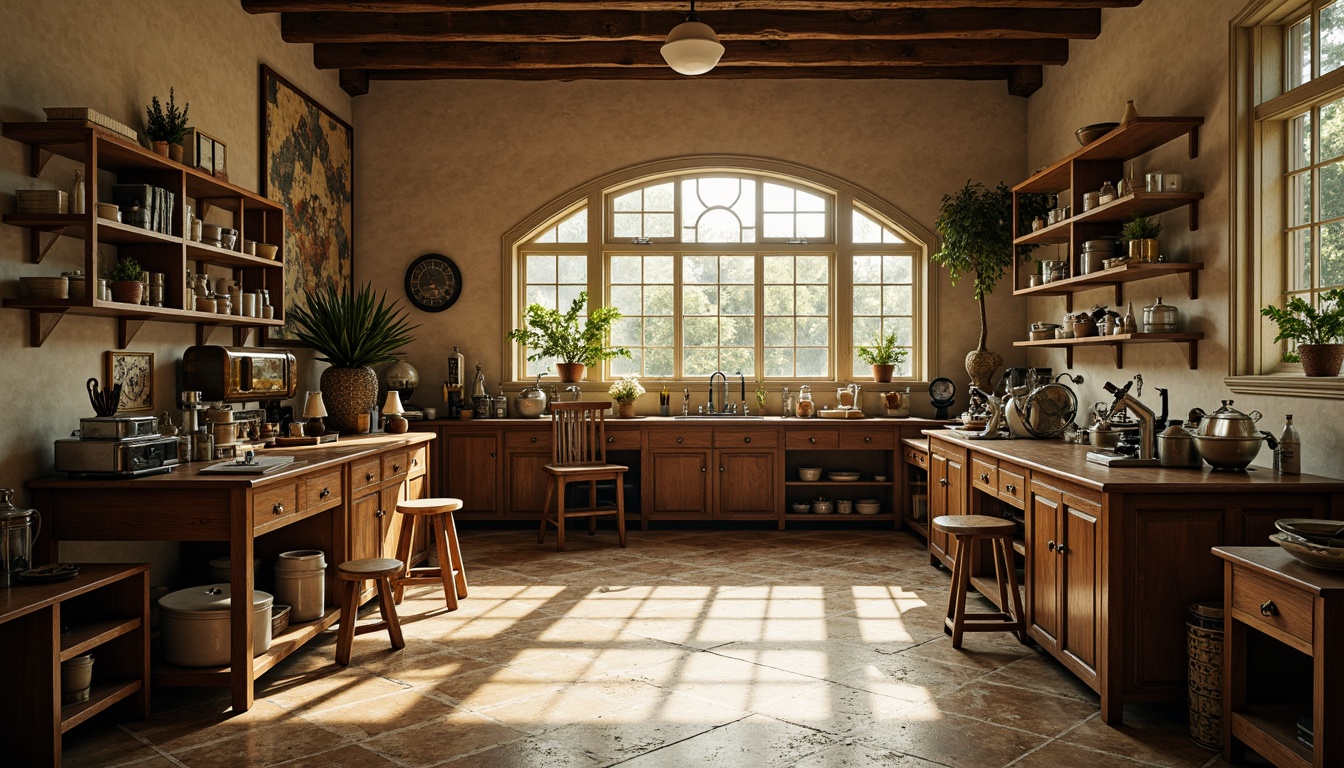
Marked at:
<point>1229,422</point>
<point>1229,452</point>
<point>1176,448</point>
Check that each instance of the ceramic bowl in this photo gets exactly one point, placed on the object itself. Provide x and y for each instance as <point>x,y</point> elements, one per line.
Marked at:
<point>842,477</point>
<point>45,287</point>
<point>1315,555</point>
<point>822,507</point>
<point>810,474</point>
<point>879,478</point>
<point>867,506</point>
<point>268,251</point>
<point>800,507</point>
<point>1323,532</point>
<point>210,232</point>
<point>1090,133</point>
<point>109,211</point>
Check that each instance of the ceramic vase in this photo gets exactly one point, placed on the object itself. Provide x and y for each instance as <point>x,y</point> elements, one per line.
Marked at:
<point>348,394</point>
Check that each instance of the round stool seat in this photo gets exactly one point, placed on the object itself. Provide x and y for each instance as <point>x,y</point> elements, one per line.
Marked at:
<point>428,506</point>
<point>974,525</point>
<point>369,568</point>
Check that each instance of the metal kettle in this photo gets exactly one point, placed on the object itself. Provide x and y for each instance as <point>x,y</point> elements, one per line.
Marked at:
<point>531,402</point>
<point>18,531</point>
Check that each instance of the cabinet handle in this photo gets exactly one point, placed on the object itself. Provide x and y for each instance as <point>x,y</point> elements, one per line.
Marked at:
<point>746,439</point>
<point>942,481</point>
<point>1268,608</point>
<point>1050,545</point>
<point>984,478</point>
<point>1010,488</point>
<point>678,440</point>
<point>380,513</point>
<point>609,439</point>
<point>868,439</point>
<point>324,493</point>
<point>368,477</point>
<point>1061,550</point>
<point>702,469</point>
<point>811,439</point>
<point>396,468</point>
<point>278,509</point>
<point>534,439</point>
<point>492,454</point>
<point>415,462</point>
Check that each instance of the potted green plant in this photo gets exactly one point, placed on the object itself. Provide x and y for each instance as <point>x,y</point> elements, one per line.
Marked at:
<point>975,225</point>
<point>625,391</point>
<point>1317,332</point>
<point>167,127</point>
<point>882,355</point>
<point>353,332</point>
<point>126,286</point>
<point>1142,232</point>
<point>552,333</point>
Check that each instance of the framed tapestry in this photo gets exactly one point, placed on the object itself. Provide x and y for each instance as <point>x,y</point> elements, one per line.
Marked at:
<point>134,371</point>
<point>307,165</point>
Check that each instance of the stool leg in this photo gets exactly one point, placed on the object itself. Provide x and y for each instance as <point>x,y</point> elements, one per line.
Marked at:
<point>560,516</point>
<point>1001,574</point>
<point>404,541</point>
<point>592,504</point>
<point>455,552</point>
<point>445,563</point>
<point>546,509</point>
<point>1019,616</point>
<point>388,607</point>
<point>345,636</point>
<point>955,546</point>
<point>620,508</point>
<point>965,551</point>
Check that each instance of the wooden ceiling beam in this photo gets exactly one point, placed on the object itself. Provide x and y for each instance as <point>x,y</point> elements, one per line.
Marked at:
<point>354,81</point>
<point>1025,80</point>
<point>718,73</point>
<point>558,26</point>
<point>704,6</point>
<point>816,53</point>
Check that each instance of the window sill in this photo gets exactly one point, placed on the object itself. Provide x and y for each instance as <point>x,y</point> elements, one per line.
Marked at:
<point>1288,385</point>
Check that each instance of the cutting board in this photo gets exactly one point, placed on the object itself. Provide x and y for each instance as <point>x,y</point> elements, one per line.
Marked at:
<point>835,413</point>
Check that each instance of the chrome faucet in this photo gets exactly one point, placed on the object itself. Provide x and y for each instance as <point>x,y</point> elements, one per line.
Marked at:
<point>723,390</point>
<point>742,381</point>
<point>574,392</point>
<point>1145,415</point>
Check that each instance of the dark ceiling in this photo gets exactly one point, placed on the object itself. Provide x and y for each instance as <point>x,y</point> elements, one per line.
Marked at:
<point>1009,40</point>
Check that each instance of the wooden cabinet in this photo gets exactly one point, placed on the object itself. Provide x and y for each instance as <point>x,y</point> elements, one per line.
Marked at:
<point>470,472</point>
<point>746,484</point>
<point>947,496</point>
<point>915,457</point>
<point>677,484</point>
<point>1064,578</point>
<point>105,609</point>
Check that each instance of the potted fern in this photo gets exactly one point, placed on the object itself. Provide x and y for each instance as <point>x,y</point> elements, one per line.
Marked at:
<point>1317,332</point>
<point>126,286</point>
<point>353,333</point>
<point>882,355</point>
<point>1142,232</point>
<point>167,127</point>
<point>552,333</point>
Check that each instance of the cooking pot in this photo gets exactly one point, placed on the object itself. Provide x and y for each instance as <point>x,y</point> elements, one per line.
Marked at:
<point>1176,448</point>
<point>1228,422</point>
<point>1230,452</point>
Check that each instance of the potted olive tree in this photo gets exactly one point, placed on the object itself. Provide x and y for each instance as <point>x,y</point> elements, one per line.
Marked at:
<point>882,355</point>
<point>353,333</point>
<point>126,286</point>
<point>1317,332</point>
<point>167,127</point>
<point>552,333</point>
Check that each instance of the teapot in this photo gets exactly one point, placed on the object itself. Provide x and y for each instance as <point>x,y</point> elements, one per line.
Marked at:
<point>531,402</point>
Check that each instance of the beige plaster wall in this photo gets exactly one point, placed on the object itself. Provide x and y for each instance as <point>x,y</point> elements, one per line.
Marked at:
<point>113,57</point>
<point>1172,59</point>
<point>451,166</point>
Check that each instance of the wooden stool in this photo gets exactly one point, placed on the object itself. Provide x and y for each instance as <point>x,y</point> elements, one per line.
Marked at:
<point>353,573</point>
<point>438,514</point>
<point>966,530</point>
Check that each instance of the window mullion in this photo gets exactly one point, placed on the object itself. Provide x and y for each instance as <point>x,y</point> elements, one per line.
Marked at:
<point>758,362</point>
<point>842,342</point>
<point>678,351</point>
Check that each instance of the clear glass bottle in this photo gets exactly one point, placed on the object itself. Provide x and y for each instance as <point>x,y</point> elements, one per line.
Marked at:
<point>1289,454</point>
<point>456,363</point>
<point>786,404</point>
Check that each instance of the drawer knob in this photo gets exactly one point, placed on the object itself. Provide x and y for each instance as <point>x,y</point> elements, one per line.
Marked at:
<point>984,478</point>
<point>1061,550</point>
<point>1268,608</point>
<point>720,469</point>
<point>324,493</point>
<point>942,481</point>
<point>278,509</point>
<point>811,439</point>
<point>609,439</point>
<point>534,439</point>
<point>678,439</point>
<point>380,513</point>
<point>1050,545</point>
<point>415,462</point>
<point>1010,488</point>
<point>368,477</point>
<point>746,439</point>
<point>702,469</point>
<point>396,468</point>
<point>492,454</point>
<point>868,439</point>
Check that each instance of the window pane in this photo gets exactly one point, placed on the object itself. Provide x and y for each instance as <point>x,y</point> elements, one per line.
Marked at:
<point>865,230</point>
<point>813,331</point>
<point>1299,53</point>
<point>718,209</point>
<point>811,225</point>
<point>778,269</point>
<point>779,362</point>
<point>658,269</point>
<point>867,300</point>
<point>658,362</point>
<point>812,300</point>
<point>898,269</point>
<point>540,269</point>
<point>659,225</point>
<point>700,269</point>
<point>659,197</point>
<point>811,362</point>
<point>629,299</point>
<point>888,308</point>
<point>810,202</point>
<point>658,332</point>
<point>779,225</point>
<point>574,229</point>
<point>814,269</point>
<point>1299,142</point>
<point>778,300</point>
<point>867,269</point>
<point>647,308</point>
<point>1332,191</point>
<point>630,201</point>
<point>573,269</point>
<point>541,294</point>
<point>1332,130</point>
<point>1299,259</point>
<point>1299,199</point>
<point>627,332</point>
<point>626,269</point>
<point>627,225</point>
<point>777,197</point>
<point>1332,37</point>
<point>1332,254</point>
<point>719,226</point>
<point>778,332</point>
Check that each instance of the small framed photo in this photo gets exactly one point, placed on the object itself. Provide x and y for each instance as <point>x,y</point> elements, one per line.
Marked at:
<point>206,153</point>
<point>134,371</point>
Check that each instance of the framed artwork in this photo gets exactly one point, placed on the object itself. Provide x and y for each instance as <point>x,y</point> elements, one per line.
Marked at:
<point>134,371</point>
<point>206,153</point>
<point>307,165</point>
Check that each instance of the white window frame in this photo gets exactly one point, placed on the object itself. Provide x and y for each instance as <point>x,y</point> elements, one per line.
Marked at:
<point>920,242</point>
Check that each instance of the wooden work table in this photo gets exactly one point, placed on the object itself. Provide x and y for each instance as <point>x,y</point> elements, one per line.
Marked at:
<point>335,497</point>
<point>1112,557</point>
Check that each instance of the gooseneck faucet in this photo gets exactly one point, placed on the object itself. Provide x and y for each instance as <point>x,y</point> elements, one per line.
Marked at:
<point>723,392</point>
<point>742,380</point>
<point>1145,415</point>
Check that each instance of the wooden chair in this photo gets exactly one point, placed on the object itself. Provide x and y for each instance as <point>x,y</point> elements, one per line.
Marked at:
<point>352,575</point>
<point>579,456</point>
<point>966,531</point>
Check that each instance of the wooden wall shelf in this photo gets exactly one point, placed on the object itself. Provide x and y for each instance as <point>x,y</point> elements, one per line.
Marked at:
<point>1116,277</point>
<point>1118,342</point>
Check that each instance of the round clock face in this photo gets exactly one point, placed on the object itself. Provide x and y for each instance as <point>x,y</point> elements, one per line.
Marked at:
<point>942,389</point>
<point>433,282</point>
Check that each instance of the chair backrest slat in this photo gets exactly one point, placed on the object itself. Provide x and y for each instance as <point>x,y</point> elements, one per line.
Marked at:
<point>578,430</point>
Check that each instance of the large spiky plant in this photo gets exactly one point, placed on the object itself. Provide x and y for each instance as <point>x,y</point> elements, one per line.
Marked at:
<point>350,330</point>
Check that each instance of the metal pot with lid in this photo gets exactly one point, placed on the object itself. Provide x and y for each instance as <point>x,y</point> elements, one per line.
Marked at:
<point>1229,422</point>
<point>18,531</point>
<point>531,402</point>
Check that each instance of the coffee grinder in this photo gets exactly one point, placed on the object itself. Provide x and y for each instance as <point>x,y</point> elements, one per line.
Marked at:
<point>452,388</point>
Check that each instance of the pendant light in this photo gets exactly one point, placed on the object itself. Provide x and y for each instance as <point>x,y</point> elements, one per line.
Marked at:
<point>692,48</point>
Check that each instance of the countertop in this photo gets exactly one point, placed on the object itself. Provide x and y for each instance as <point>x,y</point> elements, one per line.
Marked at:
<point>815,422</point>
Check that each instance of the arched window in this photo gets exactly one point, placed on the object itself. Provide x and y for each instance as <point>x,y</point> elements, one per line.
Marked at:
<point>771,270</point>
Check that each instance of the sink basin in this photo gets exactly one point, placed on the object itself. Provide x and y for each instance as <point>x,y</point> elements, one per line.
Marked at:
<point>717,416</point>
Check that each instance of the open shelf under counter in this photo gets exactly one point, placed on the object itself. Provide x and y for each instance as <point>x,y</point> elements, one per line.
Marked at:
<point>1128,141</point>
<point>1117,277</point>
<point>920,527</point>
<point>1117,343</point>
<point>101,696</point>
<point>282,646</point>
<point>852,517</point>
<point>841,483</point>
<point>89,636</point>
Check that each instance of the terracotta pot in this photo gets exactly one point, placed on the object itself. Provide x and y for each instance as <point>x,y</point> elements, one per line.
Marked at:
<point>626,410</point>
<point>175,152</point>
<point>1321,359</point>
<point>882,373</point>
<point>349,393</point>
<point>571,373</point>
<point>161,148</point>
<point>128,291</point>
<point>1143,250</point>
<point>980,366</point>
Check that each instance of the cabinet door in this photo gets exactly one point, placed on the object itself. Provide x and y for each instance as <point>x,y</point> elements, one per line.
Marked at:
<point>679,484</point>
<point>956,487</point>
<point>937,504</point>
<point>747,487</point>
<point>525,481</point>
<point>389,529</point>
<point>1043,587</point>
<point>365,526</point>
<point>471,473</point>
<point>1079,578</point>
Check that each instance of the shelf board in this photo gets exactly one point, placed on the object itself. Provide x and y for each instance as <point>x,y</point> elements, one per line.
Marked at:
<point>1123,143</point>
<point>77,225</point>
<point>1117,343</point>
<point>1115,276</point>
<point>226,258</point>
<point>281,646</point>
<point>837,516</point>
<point>90,636</point>
<point>100,698</point>
<point>1279,725</point>
<point>1116,211</point>
<point>133,311</point>
<point>881,484</point>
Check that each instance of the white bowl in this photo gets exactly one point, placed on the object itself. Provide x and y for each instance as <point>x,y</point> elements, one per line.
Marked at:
<point>1315,555</point>
<point>809,474</point>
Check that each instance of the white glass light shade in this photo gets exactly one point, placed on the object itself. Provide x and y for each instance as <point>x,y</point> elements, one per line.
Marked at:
<point>392,406</point>
<point>692,48</point>
<point>313,407</point>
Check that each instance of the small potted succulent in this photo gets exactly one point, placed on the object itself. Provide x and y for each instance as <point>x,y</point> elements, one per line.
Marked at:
<point>1317,332</point>
<point>551,333</point>
<point>625,391</point>
<point>882,355</point>
<point>167,127</point>
<point>1142,232</point>
<point>126,286</point>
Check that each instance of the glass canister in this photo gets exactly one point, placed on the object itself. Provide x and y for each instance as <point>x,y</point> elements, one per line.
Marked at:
<point>804,410</point>
<point>18,531</point>
<point>1159,318</point>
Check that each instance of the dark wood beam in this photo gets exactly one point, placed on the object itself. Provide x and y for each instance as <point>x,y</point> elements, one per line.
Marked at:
<point>355,81</point>
<point>557,26</point>
<point>816,53</point>
<point>704,6</point>
<point>718,73</point>
<point>1025,80</point>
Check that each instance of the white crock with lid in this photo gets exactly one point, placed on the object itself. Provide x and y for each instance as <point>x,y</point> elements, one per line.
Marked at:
<point>300,582</point>
<point>195,625</point>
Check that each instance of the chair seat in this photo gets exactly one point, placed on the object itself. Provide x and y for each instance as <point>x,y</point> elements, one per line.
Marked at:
<point>584,469</point>
<point>428,506</point>
<point>369,568</point>
<point>973,525</point>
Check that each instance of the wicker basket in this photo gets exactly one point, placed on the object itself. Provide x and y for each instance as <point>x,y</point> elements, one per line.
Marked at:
<point>279,619</point>
<point>1204,641</point>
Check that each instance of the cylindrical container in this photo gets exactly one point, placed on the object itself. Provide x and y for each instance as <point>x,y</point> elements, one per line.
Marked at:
<point>844,506</point>
<point>300,582</point>
<point>104,290</point>
<point>196,625</point>
<point>76,679</point>
<point>18,530</point>
<point>1204,643</point>
<point>78,284</point>
<point>220,569</point>
<point>1176,448</point>
<point>249,306</point>
<point>1159,318</point>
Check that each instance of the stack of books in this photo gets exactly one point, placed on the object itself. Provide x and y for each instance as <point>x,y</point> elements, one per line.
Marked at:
<point>144,205</point>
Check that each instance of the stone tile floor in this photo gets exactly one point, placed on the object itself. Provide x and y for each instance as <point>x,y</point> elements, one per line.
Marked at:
<point>725,648</point>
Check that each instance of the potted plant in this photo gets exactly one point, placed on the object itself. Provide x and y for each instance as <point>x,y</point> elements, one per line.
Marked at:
<point>551,333</point>
<point>883,355</point>
<point>166,128</point>
<point>977,237</point>
<point>625,392</point>
<point>1318,332</point>
<point>353,333</point>
<point>760,397</point>
<point>126,286</point>
<point>1142,232</point>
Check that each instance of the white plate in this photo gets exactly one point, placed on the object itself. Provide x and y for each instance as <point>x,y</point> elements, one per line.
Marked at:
<point>842,477</point>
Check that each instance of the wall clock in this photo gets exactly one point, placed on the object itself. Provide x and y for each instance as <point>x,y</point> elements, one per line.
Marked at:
<point>942,393</point>
<point>433,282</point>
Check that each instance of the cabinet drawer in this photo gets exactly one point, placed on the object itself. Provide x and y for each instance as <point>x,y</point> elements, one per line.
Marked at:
<point>858,439</point>
<point>736,438</point>
<point>916,457</point>
<point>1012,483</point>
<point>396,463</point>
<point>419,460</point>
<point>690,438</point>
<point>320,490</point>
<point>530,439</point>
<point>622,440</point>
<point>365,472</point>
<point>820,439</point>
<point>985,474</point>
<point>1289,610</point>
<point>271,505</point>
<point>947,450</point>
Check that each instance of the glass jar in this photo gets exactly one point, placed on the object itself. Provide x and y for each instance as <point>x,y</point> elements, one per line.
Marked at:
<point>804,409</point>
<point>1159,318</point>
